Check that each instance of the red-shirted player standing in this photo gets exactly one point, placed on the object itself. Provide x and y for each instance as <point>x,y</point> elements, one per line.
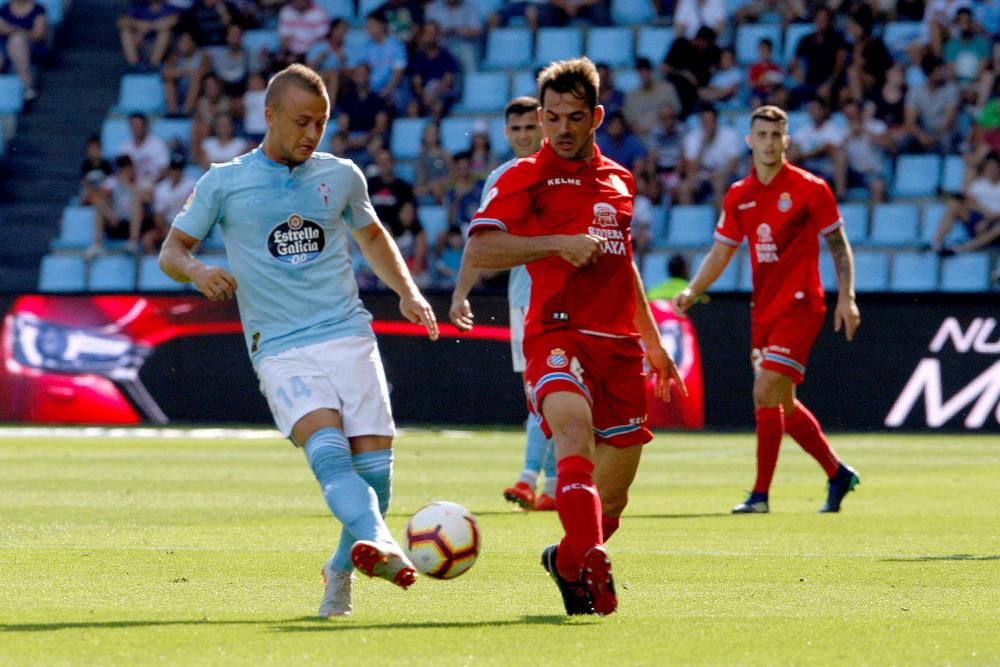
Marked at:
<point>566,212</point>
<point>782,210</point>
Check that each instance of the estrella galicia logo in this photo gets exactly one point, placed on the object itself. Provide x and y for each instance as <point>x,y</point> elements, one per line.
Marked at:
<point>296,241</point>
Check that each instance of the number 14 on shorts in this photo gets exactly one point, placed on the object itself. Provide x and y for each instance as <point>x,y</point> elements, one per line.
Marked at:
<point>292,390</point>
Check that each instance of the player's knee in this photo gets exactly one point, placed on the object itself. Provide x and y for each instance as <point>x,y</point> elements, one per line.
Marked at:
<point>766,394</point>
<point>613,502</point>
<point>572,437</point>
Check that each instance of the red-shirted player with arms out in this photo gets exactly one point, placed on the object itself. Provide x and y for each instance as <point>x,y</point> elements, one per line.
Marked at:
<point>566,212</point>
<point>782,210</point>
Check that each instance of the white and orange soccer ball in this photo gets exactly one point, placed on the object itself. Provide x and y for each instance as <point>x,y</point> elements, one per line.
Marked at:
<point>442,539</point>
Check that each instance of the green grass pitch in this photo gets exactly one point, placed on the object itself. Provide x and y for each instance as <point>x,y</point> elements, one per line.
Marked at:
<point>182,551</point>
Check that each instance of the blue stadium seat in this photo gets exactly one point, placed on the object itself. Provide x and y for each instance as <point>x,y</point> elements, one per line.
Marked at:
<point>626,80</point>
<point>658,226</point>
<point>255,40</point>
<point>916,176</point>
<point>114,133</point>
<point>151,279</point>
<point>484,92</point>
<point>653,42</point>
<point>355,42</point>
<point>557,44</point>
<point>952,173</point>
<point>406,170</point>
<point>523,83</point>
<point>930,217</point>
<point>366,7</point>
<point>338,8</point>
<point>691,226</point>
<point>62,273</point>
<point>612,46</point>
<point>827,274</point>
<point>112,273</point>
<point>894,225</point>
<point>630,12</point>
<point>855,221</point>
<point>140,93</point>
<point>76,229</point>
<point>53,12</point>
<point>499,143</point>
<point>456,134</point>
<point>914,272</point>
<point>11,94</point>
<point>729,280</point>
<point>793,35</point>
<point>170,129</point>
<point>915,76</point>
<point>508,48</point>
<point>654,268</point>
<point>406,137</point>
<point>966,273</point>
<point>900,34</point>
<point>871,271</point>
<point>434,220</point>
<point>749,35</point>
<point>796,120</point>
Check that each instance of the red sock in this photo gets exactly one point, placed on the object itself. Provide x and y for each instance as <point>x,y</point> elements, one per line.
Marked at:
<point>770,427</point>
<point>579,508</point>
<point>609,524</point>
<point>805,429</point>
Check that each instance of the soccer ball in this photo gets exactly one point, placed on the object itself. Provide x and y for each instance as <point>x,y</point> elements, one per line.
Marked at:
<point>442,539</point>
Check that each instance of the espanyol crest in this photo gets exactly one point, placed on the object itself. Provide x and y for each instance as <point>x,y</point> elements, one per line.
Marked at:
<point>557,358</point>
<point>784,202</point>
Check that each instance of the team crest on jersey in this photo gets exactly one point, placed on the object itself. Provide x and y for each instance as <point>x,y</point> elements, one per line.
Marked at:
<point>296,240</point>
<point>764,233</point>
<point>490,196</point>
<point>619,185</point>
<point>557,359</point>
<point>605,215</point>
<point>784,202</point>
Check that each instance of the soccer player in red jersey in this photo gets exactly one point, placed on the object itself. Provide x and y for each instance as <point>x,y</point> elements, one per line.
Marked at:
<point>782,210</point>
<point>566,212</point>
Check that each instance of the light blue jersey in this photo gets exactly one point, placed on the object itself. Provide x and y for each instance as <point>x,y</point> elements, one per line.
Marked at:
<point>285,233</point>
<point>519,281</point>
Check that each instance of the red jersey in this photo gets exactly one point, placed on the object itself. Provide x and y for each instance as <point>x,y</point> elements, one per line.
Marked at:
<point>545,194</point>
<point>782,222</point>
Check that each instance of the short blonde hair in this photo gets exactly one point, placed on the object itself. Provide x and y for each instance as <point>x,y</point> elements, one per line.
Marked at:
<point>293,75</point>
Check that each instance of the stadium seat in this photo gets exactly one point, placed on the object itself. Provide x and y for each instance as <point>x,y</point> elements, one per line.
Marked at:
<point>338,8</point>
<point>487,7</point>
<point>690,226</point>
<point>255,40</point>
<point>612,46</point>
<point>53,12</point>
<point>630,12</point>
<point>355,43</point>
<point>793,35</point>
<point>828,274</point>
<point>749,35</point>
<point>406,137</point>
<point>900,34</point>
<point>626,80</point>
<point>658,226</point>
<point>930,217</point>
<point>140,93</point>
<point>484,92</point>
<point>151,279</point>
<point>916,176</point>
<point>557,44</point>
<point>894,225</point>
<point>728,281</point>
<point>797,120</point>
<point>653,42</point>
<point>406,170</point>
<point>855,222</point>
<point>952,174</point>
<point>456,134</point>
<point>914,272</point>
<point>915,76</point>
<point>966,273</point>
<point>112,273</point>
<point>62,273</point>
<point>170,129</point>
<point>434,220</point>
<point>871,271</point>
<point>366,7</point>
<point>654,268</point>
<point>508,48</point>
<point>114,133</point>
<point>76,229</point>
<point>523,83</point>
<point>11,94</point>
<point>498,141</point>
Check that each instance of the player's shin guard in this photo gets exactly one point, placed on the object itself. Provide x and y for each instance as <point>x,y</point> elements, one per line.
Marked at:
<point>376,469</point>
<point>770,427</point>
<point>579,508</point>
<point>347,495</point>
<point>805,430</point>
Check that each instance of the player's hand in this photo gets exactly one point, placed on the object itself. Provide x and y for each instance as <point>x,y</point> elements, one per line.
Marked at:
<point>683,300</point>
<point>582,249</point>
<point>215,283</point>
<point>416,309</point>
<point>461,315</point>
<point>664,372</point>
<point>846,316</point>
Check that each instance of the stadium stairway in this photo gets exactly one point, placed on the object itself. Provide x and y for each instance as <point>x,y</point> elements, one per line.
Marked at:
<point>41,170</point>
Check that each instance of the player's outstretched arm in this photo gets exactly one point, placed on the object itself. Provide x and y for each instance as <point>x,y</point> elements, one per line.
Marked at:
<point>711,268</point>
<point>460,312</point>
<point>179,264</point>
<point>495,249</point>
<point>847,315</point>
<point>384,258</point>
<point>663,366</point>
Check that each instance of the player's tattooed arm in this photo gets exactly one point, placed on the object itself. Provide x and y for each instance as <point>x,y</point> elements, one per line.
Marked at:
<point>847,315</point>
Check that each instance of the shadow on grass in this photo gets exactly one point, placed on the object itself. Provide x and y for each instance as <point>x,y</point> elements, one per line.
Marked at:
<point>705,515</point>
<point>339,625</point>
<point>924,559</point>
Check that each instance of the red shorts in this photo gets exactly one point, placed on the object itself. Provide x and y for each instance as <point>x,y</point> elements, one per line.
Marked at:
<point>783,345</point>
<point>608,372</point>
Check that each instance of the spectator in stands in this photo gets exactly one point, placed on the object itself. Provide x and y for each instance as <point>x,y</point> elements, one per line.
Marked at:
<point>386,59</point>
<point>692,15</point>
<point>529,10</point>
<point>888,103</point>
<point>766,77</point>
<point>462,198</point>
<point>412,241</point>
<point>169,198</point>
<point>147,152</point>
<point>254,123</point>
<point>819,146</point>
<point>435,75</point>
<point>723,88</point>
<point>482,159</point>
<point>678,277</point>
<point>561,12</point>
<point>222,145</point>
<point>608,96</point>
<point>449,257</point>
<point>432,167</point>
<point>461,28</point>
<point>711,158</point>
<point>766,11</point>
<point>905,10</point>
<point>94,169</point>
<point>302,23</point>
<point>182,73</point>
<point>642,104</point>
<point>869,58</point>
<point>208,21</point>
<point>619,144</point>
<point>147,20</point>
<point>977,208</point>
<point>330,58</point>
<point>688,66</point>
<point>404,18</point>
<point>388,192</point>
<point>865,152</point>
<point>280,58</point>
<point>232,64</point>
<point>361,113</point>
<point>666,151</point>
<point>121,208</point>
<point>647,193</point>
<point>931,110</point>
<point>820,60</point>
<point>210,105</point>
<point>966,52</point>
<point>24,30</point>
<point>938,23</point>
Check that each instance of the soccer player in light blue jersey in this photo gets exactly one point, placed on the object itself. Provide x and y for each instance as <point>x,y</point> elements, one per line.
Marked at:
<point>284,211</point>
<point>525,136</point>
